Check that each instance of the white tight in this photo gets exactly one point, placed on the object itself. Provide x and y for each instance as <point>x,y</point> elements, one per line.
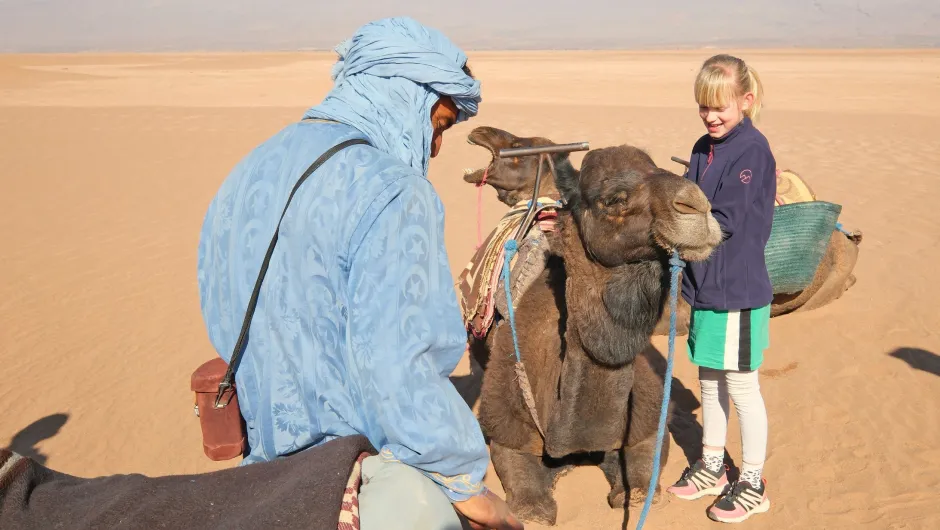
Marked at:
<point>744,390</point>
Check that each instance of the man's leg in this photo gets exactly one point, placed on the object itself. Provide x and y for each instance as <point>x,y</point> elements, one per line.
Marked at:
<point>395,496</point>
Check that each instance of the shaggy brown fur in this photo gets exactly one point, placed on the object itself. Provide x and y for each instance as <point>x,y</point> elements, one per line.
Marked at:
<point>583,328</point>
<point>514,181</point>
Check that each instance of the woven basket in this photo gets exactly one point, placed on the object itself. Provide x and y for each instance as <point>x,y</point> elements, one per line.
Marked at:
<point>798,241</point>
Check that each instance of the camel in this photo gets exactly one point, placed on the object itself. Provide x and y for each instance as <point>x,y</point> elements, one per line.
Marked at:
<point>584,328</point>
<point>513,180</point>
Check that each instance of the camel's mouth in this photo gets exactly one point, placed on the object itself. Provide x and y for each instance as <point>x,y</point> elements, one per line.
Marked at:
<point>473,176</point>
<point>694,236</point>
<point>481,137</point>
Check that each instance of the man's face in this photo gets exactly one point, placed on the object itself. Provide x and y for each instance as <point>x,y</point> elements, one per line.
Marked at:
<point>443,117</point>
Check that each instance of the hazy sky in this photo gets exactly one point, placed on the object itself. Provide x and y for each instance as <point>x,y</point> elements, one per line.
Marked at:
<point>158,25</point>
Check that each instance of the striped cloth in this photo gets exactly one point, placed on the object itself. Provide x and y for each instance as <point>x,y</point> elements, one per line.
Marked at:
<point>13,468</point>
<point>477,284</point>
<point>729,340</point>
<point>349,513</point>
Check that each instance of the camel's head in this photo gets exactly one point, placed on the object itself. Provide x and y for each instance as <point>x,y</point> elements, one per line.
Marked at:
<point>629,210</point>
<point>513,178</point>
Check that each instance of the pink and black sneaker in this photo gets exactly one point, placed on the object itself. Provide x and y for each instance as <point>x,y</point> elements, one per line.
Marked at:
<point>698,481</point>
<point>742,501</point>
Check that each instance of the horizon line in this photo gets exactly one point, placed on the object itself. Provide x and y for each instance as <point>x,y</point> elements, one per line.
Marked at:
<point>651,48</point>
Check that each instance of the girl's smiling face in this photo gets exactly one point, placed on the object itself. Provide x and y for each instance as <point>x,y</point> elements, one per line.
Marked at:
<point>721,120</point>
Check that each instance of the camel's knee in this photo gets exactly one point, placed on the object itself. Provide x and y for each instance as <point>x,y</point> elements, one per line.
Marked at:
<point>528,484</point>
<point>639,460</point>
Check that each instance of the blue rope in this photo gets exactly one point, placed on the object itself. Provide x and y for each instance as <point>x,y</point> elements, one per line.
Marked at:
<point>675,266</point>
<point>511,247</point>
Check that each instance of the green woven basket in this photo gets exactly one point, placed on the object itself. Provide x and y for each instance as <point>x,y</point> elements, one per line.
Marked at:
<point>798,241</point>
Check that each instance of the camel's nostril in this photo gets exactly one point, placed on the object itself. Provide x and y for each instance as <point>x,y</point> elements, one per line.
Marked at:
<point>685,207</point>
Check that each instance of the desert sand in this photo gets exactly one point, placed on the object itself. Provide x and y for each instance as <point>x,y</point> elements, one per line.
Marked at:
<point>108,162</point>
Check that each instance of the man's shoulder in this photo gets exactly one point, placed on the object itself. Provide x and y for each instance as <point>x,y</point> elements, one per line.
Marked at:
<point>378,178</point>
<point>364,171</point>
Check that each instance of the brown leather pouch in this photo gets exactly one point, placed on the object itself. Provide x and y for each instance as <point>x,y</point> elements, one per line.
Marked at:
<point>224,435</point>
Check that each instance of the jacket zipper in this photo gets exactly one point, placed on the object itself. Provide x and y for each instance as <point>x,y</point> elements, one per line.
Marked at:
<point>711,156</point>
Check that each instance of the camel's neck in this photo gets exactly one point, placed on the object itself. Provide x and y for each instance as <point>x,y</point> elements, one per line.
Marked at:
<point>547,188</point>
<point>565,171</point>
<point>613,310</point>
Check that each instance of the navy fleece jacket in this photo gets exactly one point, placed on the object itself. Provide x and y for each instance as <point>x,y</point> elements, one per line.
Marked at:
<point>738,175</point>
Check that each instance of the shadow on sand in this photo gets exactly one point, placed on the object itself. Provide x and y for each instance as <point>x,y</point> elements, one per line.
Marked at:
<point>919,359</point>
<point>24,442</point>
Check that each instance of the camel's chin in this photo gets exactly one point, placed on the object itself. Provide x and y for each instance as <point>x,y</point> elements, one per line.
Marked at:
<point>472,176</point>
<point>694,239</point>
<point>696,254</point>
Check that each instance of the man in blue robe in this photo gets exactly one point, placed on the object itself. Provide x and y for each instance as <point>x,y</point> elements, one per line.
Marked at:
<point>357,326</point>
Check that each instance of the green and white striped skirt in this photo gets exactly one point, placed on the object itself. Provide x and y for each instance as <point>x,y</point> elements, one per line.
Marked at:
<point>729,340</point>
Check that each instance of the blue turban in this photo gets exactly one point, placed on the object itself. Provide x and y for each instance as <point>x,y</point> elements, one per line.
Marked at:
<point>387,79</point>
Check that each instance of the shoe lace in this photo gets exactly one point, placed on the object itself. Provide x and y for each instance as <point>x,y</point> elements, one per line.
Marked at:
<point>735,489</point>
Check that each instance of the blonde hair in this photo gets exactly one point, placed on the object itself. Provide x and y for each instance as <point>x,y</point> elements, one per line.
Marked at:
<point>725,77</point>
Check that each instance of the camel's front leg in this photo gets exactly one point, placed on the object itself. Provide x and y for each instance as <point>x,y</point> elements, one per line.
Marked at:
<point>612,466</point>
<point>528,484</point>
<point>639,467</point>
<point>645,403</point>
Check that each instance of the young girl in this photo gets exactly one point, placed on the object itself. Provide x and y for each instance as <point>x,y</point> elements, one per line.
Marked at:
<point>730,293</point>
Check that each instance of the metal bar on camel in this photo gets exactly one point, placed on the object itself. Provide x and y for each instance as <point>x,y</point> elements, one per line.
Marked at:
<point>560,148</point>
<point>542,152</point>
<point>679,161</point>
<point>533,203</point>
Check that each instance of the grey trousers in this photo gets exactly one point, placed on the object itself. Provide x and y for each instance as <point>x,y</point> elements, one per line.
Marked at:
<point>395,496</point>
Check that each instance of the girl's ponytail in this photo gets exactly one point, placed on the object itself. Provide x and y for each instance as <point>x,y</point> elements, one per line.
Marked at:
<point>755,87</point>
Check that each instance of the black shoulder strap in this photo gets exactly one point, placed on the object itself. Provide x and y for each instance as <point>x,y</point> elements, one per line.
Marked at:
<point>249,313</point>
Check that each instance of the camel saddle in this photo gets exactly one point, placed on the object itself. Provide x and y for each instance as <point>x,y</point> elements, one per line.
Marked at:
<point>792,188</point>
<point>479,286</point>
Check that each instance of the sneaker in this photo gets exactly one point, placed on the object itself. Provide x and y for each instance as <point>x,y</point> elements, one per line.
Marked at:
<point>742,501</point>
<point>697,481</point>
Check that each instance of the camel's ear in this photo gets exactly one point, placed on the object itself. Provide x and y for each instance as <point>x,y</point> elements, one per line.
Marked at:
<point>568,184</point>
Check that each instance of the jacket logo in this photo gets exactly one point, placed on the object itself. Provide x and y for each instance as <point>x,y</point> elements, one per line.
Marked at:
<point>745,176</point>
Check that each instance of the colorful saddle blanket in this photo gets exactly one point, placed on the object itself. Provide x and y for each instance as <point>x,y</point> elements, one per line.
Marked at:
<point>478,284</point>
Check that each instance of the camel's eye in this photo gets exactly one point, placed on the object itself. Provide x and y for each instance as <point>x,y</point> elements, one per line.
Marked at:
<point>614,200</point>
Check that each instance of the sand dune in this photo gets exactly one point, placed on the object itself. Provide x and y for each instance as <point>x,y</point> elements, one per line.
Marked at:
<point>108,164</point>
